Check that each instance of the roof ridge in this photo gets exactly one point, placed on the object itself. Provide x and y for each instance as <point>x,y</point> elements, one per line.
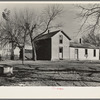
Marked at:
<point>54,31</point>
<point>50,34</point>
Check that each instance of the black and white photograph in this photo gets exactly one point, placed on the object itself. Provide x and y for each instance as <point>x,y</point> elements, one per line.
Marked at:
<point>50,44</point>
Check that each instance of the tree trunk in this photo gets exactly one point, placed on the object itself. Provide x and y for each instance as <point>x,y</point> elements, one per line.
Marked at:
<point>23,58</point>
<point>12,51</point>
<point>34,55</point>
<point>22,54</point>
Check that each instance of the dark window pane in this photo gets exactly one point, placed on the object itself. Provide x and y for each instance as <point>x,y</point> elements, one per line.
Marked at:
<point>86,52</point>
<point>60,49</point>
<point>94,53</point>
<point>60,39</point>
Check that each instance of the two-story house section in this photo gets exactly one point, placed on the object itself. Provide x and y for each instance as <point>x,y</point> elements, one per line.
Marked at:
<point>53,46</point>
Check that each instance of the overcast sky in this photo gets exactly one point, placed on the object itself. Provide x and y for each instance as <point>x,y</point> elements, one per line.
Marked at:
<point>71,24</point>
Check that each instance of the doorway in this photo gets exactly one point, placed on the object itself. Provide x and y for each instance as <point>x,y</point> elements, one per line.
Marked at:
<point>76,54</point>
<point>60,53</point>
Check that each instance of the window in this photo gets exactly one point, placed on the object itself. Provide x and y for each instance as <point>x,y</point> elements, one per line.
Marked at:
<point>86,52</point>
<point>60,49</point>
<point>60,39</point>
<point>94,53</point>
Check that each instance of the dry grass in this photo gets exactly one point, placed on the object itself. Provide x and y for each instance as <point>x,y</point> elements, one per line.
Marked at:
<point>52,73</point>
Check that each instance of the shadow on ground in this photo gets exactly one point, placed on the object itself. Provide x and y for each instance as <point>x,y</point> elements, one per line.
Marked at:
<point>57,73</point>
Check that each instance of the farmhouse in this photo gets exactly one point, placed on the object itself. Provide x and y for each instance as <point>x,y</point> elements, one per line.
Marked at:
<point>53,46</point>
<point>57,45</point>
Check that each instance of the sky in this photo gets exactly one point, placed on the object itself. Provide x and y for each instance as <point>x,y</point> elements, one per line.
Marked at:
<point>71,24</point>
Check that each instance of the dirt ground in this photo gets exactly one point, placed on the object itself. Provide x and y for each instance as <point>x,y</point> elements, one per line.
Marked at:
<point>52,73</point>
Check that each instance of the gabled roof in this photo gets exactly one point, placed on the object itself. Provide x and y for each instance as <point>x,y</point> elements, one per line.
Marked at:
<point>79,45</point>
<point>51,34</point>
<point>66,35</point>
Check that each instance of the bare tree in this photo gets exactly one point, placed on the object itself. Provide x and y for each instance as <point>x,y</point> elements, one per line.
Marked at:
<point>28,23</point>
<point>93,39</point>
<point>90,18</point>
<point>42,23</point>
<point>24,20</point>
<point>7,32</point>
<point>35,25</point>
<point>20,21</point>
<point>12,31</point>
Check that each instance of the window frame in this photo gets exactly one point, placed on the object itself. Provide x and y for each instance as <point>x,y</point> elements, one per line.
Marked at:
<point>60,39</point>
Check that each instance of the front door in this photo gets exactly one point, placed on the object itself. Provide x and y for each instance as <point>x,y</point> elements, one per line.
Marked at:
<point>76,54</point>
<point>61,53</point>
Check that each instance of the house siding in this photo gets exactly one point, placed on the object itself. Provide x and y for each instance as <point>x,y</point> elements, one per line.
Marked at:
<point>90,54</point>
<point>81,54</point>
<point>44,49</point>
<point>16,52</point>
<point>55,47</point>
<point>72,53</point>
<point>6,50</point>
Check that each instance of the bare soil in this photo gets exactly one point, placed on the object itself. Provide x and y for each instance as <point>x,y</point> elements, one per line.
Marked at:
<point>52,73</point>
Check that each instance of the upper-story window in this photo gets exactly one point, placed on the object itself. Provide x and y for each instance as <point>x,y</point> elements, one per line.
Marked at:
<point>60,39</point>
